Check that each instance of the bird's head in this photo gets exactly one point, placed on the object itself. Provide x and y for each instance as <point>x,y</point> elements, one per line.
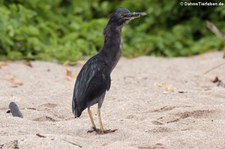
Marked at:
<point>122,16</point>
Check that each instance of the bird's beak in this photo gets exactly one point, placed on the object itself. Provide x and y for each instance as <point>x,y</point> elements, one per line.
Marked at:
<point>133,15</point>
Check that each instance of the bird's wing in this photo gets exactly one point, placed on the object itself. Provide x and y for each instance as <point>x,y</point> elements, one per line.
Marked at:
<point>92,81</point>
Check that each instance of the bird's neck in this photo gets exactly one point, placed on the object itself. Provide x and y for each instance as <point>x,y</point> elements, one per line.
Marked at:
<point>112,45</point>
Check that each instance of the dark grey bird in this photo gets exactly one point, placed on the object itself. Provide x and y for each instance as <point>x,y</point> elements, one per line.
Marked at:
<point>94,78</point>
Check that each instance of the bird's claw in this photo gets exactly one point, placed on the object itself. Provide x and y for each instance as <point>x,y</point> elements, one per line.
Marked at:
<point>93,129</point>
<point>99,131</point>
<point>108,131</point>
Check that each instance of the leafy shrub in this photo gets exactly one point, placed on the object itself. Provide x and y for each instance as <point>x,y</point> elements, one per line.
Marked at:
<point>68,30</point>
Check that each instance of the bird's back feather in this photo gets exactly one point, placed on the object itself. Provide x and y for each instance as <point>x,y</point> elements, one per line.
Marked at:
<point>92,82</point>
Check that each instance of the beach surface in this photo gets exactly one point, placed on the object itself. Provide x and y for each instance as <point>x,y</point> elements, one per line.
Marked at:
<point>154,103</point>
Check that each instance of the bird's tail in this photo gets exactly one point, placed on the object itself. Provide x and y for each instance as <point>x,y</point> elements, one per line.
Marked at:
<point>75,109</point>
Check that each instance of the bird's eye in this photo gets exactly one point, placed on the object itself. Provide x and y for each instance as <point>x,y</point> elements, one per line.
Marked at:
<point>121,14</point>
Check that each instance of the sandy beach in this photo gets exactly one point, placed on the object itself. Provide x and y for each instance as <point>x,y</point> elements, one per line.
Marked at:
<point>155,103</point>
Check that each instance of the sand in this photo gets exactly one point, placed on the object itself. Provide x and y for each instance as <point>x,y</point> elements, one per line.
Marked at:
<point>155,103</point>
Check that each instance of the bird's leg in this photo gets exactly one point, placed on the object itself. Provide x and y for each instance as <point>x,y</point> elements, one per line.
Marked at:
<point>101,130</point>
<point>100,121</point>
<point>92,121</point>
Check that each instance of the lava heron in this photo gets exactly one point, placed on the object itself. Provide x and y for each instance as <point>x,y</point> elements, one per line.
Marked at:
<point>94,78</point>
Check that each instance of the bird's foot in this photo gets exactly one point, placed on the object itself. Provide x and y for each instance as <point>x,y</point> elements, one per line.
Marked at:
<point>106,131</point>
<point>93,129</point>
<point>99,131</point>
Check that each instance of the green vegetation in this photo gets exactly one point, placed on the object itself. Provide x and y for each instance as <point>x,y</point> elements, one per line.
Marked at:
<point>70,29</point>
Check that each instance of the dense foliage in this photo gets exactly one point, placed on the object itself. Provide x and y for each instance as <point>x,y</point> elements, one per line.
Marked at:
<point>69,29</point>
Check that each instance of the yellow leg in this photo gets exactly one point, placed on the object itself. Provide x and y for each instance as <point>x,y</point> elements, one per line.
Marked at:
<point>100,121</point>
<point>92,121</point>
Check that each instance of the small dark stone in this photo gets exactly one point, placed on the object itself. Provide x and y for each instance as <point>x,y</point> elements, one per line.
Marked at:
<point>14,109</point>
